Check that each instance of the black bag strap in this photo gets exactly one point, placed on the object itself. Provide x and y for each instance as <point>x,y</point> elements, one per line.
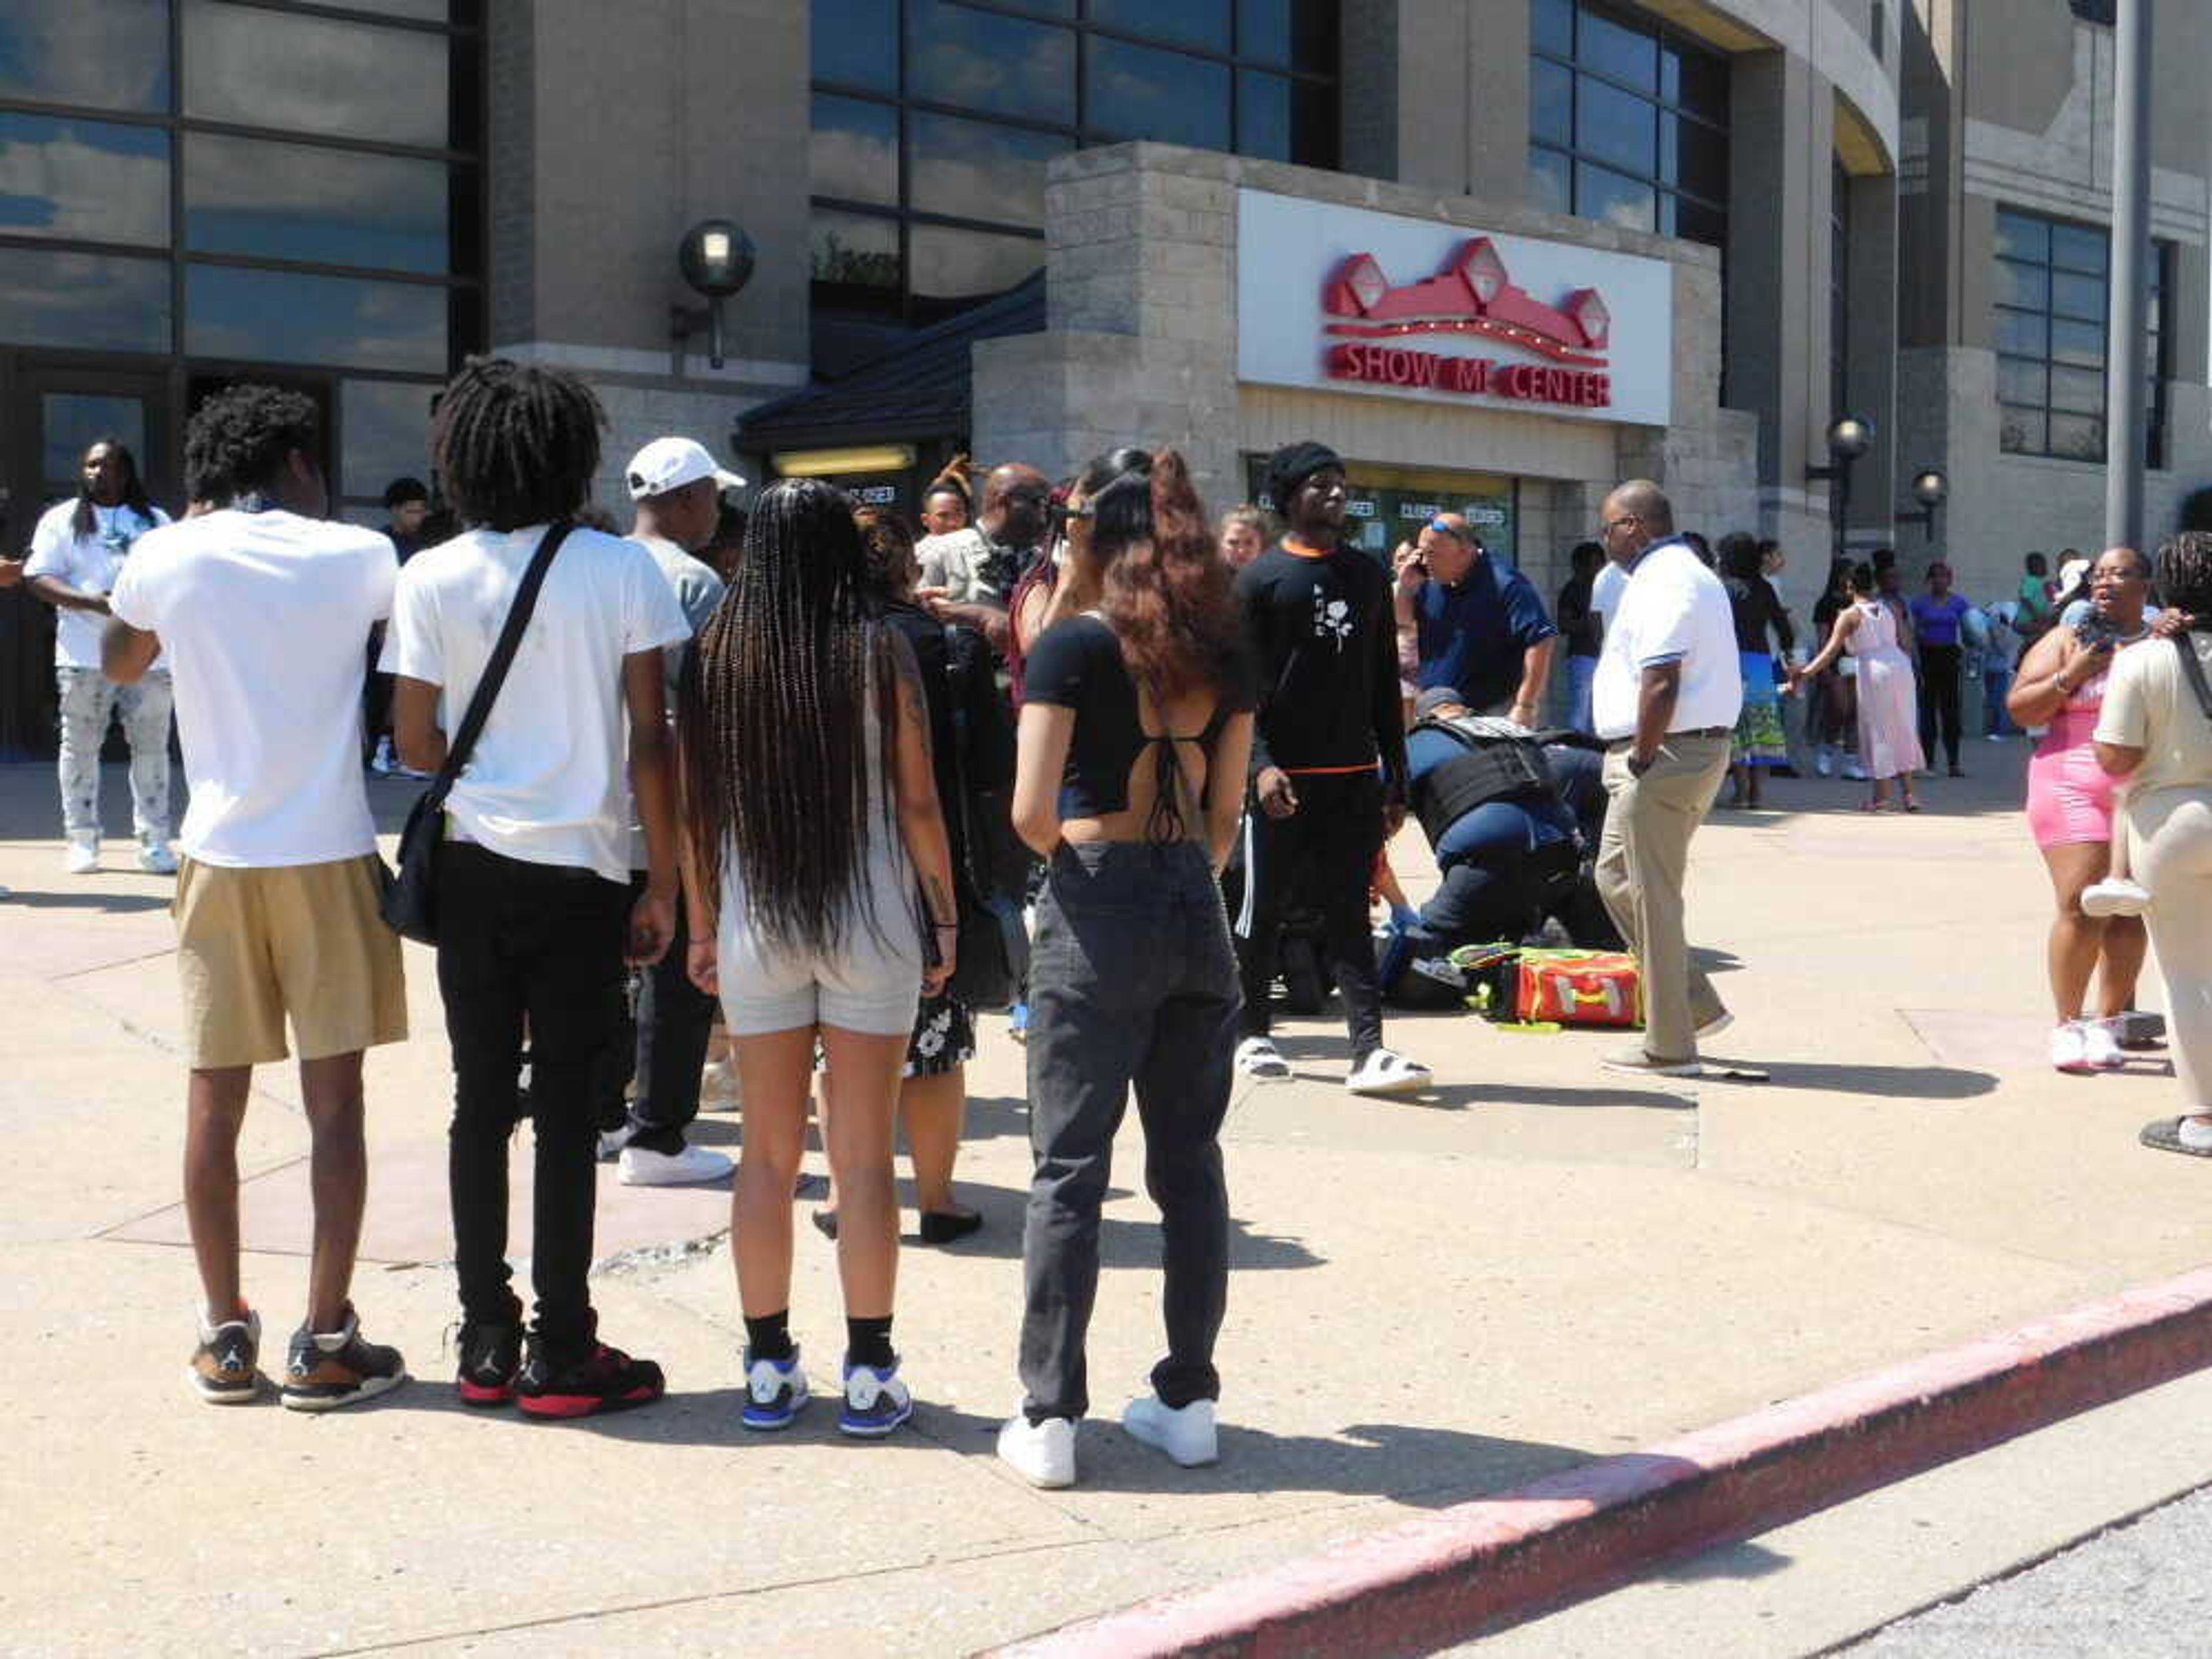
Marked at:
<point>495,673</point>
<point>2193,670</point>
<point>964,806</point>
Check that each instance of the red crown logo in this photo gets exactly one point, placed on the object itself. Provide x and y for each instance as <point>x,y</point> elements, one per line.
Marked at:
<point>1473,293</point>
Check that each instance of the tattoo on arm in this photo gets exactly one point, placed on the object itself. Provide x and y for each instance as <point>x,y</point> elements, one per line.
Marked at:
<point>941,907</point>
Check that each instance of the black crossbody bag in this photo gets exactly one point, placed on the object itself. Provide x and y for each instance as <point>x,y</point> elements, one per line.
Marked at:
<point>409,899</point>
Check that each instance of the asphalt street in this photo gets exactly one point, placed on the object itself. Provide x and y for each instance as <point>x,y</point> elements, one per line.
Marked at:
<point>2138,1590</point>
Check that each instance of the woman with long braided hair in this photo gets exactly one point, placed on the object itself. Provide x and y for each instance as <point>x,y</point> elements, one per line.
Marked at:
<point>811,808</point>
<point>1136,737</point>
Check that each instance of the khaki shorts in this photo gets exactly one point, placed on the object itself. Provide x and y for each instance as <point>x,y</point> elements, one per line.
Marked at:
<point>305,939</point>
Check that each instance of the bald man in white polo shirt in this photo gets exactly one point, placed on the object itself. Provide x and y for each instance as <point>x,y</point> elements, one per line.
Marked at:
<point>1666,696</point>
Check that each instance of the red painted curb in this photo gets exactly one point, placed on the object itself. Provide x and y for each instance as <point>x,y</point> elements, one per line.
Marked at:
<point>1450,1575</point>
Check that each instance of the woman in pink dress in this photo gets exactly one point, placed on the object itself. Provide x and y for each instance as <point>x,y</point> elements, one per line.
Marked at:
<point>1888,705</point>
<point>2060,687</point>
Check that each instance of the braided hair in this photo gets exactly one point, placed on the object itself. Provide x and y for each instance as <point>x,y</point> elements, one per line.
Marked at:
<point>238,440</point>
<point>2184,576</point>
<point>84,520</point>
<point>773,713</point>
<point>515,444</point>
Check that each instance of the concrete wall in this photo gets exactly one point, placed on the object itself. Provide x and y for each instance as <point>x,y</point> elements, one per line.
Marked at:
<point>697,109</point>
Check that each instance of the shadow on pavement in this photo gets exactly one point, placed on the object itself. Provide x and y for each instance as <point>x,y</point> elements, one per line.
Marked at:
<point>1458,1097</point>
<point>1895,1082</point>
<point>1122,1243</point>
<point>86,899</point>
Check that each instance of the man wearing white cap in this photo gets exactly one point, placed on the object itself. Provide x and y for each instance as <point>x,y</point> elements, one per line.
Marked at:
<point>678,487</point>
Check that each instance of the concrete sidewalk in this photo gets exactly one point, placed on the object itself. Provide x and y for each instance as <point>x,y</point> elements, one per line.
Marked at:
<point>1537,1265</point>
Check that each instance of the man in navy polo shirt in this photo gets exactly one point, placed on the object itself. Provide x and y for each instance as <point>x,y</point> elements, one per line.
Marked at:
<point>1467,622</point>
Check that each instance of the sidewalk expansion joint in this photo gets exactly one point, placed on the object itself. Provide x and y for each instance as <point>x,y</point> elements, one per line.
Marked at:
<point>1476,1567</point>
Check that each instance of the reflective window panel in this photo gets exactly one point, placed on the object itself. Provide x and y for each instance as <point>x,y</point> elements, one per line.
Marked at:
<point>976,170</point>
<point>83,301</point>
<point>303,73</point>
<point>989,63</point>
<point>1134,92</point>
<point>96,181</point>
<point>856,258</point>
<point>348,322</point>
<point>332,207</point>
<point>104,54</point>
<point>853,152</point>
<point>856,43</point>
<point>384,434</point>
<point>70,422</point>
<point>954,269</point>
<point>1200,23</point>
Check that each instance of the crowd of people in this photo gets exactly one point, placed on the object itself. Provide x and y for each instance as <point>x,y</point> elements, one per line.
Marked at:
<point>1074,751</point>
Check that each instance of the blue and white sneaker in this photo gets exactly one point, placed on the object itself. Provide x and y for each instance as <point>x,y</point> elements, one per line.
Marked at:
<point>876,1402</point>
<point>775,1390</point>
<point>1017,1022</point>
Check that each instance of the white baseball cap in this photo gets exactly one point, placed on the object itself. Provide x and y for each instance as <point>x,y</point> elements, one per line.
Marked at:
<point>668,464</point>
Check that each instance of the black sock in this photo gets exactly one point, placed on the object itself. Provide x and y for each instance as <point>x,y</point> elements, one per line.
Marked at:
<point>868,1342</point>
<point>768,1337</point>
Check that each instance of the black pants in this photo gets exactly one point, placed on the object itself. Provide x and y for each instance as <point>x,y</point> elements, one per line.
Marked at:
<point>1132,980</point>
<point>542,945</point>
<point>1323,854</point>
<point>663,1044</point>
<point>1940,666</point>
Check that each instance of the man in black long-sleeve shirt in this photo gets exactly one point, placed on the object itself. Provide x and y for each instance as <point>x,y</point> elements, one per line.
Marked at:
<point>1329,761</point>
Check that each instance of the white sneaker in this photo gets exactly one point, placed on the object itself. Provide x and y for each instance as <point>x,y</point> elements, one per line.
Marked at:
<point>2069,1049</point>
<point>1259,1060</point>
<point>81,855</point>
<point>1042,1454</point>
<point>2115,896</point>
<point>718,1087</point>
<point>1186,1435</point>
<point>1386,1072</point>
<point>1824,763</point>
<point>2100,1045</point>
<point>643,1167</point>
<point>1855,772</point>
<point>611,1141</point>
<point>1716,1025</point>
<point>1994,737</point>
<point>155,858</point>
<point>381,762</point>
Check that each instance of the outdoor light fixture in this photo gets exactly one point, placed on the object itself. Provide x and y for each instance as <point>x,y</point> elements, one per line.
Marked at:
<point>1930,487</point>
<point>716,258</point>
<point>839,463</point>
<point>1849,437</point>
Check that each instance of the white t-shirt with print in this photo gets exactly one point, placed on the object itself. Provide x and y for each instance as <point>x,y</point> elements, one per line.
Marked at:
<point>1673,610</point>
<point>89,564</point>
<point>548,783</point>
<point>265,616</point>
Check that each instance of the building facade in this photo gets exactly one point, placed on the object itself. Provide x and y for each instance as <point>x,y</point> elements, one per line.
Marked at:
<point>1498,252</point>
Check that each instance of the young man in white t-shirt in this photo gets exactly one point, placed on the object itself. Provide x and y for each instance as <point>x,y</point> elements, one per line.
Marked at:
<point>536,920</point>
<point>268,608</point>
<point>76,552</point>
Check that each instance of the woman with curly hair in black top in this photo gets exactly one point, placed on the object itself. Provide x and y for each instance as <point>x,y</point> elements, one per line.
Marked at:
<point>1135,735</point>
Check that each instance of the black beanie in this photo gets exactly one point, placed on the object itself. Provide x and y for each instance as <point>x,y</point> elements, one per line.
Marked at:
<point>1292,464</point>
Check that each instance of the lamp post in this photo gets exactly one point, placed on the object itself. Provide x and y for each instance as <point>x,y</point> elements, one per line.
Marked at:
<point>2126,404</point>
<point>1849,437</point>
<point>1930,487</point>
<point>716,258</point>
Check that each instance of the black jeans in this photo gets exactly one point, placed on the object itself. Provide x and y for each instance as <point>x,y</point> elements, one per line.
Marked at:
<point>663,1044</point>
<point>1132,980</point>
<point>1940,667</point>
<point>540,945</point>
<point>1321,856</point>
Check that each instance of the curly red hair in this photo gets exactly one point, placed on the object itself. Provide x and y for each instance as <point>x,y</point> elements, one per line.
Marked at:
<point>1168,595</point>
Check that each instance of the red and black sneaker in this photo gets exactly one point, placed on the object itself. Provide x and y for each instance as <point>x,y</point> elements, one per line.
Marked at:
<point>491,1358</point>
<point>605,1380</point>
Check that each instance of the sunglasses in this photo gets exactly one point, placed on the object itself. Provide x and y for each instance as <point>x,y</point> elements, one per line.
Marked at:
<point>1061,513</point>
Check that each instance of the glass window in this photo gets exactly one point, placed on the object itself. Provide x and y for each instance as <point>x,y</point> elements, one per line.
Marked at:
<point>954,269</point>
<point>1264,122</point>
<point>426,11</point>
<point>987,63</point>
<point>856,43</point>
<point>96,181</point>
<point>2020,236</point>
<point>1626,50</point>
<point>83,301</point>
<point>321,206</point>
<point>2023,381</point>
<point>2052,321</point>
<point>1616,127</point>
<point>856,258</point>
<point>2082,297</point>
<point>72,422</point>
<point>1641,113</point>
<point>1134,92</point>
<point>105,54</point>
<point>977,170</point>
<point>1201,23</point>
<point>300,74</point>
<point>854,151</point>
<point>1601,193</point>
<point>282,317</point>
<point>385,429</point>
<point>2022,285</point>
<point>2077,247</point>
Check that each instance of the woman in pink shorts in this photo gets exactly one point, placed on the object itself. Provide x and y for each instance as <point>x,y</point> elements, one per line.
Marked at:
<point>2060,687</point>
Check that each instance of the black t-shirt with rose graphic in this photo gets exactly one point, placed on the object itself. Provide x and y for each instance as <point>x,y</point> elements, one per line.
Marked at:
<point>1325,642</point>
